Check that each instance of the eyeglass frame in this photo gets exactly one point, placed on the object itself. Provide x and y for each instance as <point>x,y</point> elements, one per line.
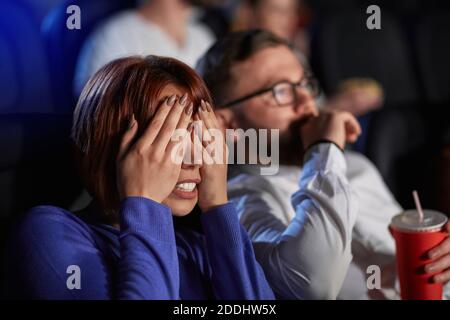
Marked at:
<point>293,85</point>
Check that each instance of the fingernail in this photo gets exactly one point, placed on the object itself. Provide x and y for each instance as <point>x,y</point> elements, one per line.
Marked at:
<point>183,99</point>
<point>132,122</point>
<point>430,268</point>
<point>434,253</point>
<point>438,278</point>
<point>189,109</point>
<point>171,100</point>
<point>208,106</point>
<point>202,105</point>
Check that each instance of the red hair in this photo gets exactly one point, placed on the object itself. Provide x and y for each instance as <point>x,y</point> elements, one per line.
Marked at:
<point>120,89</point>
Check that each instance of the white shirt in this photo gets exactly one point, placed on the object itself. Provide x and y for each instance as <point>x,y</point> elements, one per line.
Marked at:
<point>316,230</point>
<point>128,34</point>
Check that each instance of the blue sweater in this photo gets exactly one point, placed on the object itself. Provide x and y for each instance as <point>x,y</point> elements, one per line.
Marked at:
<point>146,259</point>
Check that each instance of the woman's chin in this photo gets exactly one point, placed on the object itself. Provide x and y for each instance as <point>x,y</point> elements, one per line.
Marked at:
<point>180,213</point>
<point>180,207</point>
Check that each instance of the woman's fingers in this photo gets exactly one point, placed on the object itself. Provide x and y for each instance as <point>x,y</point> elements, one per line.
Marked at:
<point>170,124</point>
<point>177,145</point>
<point>208,156</point>
<point>157,122</point>
<point>206,114</point>
<point>176,150</point>
<point>128,138</point>
<point>211,124</point>
<point>212,189</point>
<point>204,136</point>
<point>215,120</point>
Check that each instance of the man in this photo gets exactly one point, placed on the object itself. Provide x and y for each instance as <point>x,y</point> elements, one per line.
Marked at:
<point>281,17</point>
<point>316,227</point>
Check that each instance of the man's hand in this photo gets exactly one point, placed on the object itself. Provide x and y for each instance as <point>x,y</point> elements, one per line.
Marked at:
<point>441,260</point>
<point>336,126</point>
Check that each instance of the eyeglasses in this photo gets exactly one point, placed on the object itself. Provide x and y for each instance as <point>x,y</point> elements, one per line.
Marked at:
<point>284,92</point>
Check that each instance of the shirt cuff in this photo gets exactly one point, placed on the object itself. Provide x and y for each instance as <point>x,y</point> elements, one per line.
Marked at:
<point>325,156</point>
<point>139,214</point>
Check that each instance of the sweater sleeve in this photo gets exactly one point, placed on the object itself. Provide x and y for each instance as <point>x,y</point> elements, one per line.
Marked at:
<point>235,272</point>
<point>55,255</point>
<point>148,268</point>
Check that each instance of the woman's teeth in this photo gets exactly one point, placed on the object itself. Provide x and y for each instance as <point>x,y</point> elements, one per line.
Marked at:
<point>186,186</point>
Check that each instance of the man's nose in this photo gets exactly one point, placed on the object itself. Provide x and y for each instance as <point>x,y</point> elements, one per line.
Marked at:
<point>302,99</point>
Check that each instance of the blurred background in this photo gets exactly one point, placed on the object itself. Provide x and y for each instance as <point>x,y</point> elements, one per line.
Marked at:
<point>396,80</point>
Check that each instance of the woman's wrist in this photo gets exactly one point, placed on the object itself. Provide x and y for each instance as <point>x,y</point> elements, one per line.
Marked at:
<point>211,204</point>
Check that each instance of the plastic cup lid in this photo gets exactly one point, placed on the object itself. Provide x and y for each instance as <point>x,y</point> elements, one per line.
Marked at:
<point>409,220</point>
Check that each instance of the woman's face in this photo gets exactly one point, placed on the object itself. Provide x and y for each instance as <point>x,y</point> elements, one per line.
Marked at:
<point>184,196</point>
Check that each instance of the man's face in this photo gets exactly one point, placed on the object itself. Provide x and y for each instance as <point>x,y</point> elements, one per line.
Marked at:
<point>264,69</point>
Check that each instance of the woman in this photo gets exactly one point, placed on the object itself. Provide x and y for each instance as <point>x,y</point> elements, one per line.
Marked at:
<point>124,245</point>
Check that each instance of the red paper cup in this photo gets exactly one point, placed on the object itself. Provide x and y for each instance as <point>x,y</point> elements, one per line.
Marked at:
<point>414,239</point>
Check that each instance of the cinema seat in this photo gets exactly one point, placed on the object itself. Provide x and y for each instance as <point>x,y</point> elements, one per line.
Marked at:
<point>397,145</point>
<point>433,51</point>
<point>36,167</point>
<point>24,79</point>
<point>433,54</point>
<point>36,163</point>
<point>343,47</point>
<point>64,45</point>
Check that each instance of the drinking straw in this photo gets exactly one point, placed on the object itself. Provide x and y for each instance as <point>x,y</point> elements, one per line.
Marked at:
<point>418,206</point>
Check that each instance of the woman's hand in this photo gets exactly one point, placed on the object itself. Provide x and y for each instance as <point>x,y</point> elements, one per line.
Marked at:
<point>146,168</point>
<point>213,187</point>
<point>441,260</point>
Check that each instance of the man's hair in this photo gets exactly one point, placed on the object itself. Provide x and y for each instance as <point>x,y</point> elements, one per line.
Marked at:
<point>215,66</point>
<point>121,89</point>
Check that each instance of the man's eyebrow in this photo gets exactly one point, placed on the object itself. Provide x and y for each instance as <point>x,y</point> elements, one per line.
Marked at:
<point>271,83</point>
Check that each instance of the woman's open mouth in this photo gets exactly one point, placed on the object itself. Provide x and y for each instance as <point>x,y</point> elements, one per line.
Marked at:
<point>186,189</point>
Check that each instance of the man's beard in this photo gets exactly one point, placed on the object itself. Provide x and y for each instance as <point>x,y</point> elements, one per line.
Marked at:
<point>291,147</point>
<point>291,150</point>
